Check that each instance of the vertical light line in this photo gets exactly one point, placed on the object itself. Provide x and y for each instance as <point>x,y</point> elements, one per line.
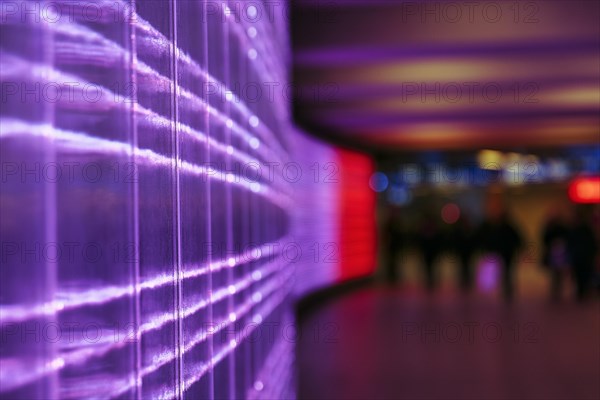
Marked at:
<point>242,74</point>
<point>136,219</point>
<point>210,377</point>
<point>50,211</point>
<point>179,373</point>
<point>228,200</point>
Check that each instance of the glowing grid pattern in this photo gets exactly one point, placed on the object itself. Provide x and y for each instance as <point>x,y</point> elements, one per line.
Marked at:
<point>145,243</point>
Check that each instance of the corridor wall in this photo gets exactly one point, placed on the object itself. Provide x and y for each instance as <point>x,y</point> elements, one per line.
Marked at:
<point>160,214</point>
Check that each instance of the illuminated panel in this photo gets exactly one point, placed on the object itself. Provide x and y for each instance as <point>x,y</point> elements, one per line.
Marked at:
<point>585,190</point>
<point>317,217</point>
<point>356,216</point>
<point>158,221</point>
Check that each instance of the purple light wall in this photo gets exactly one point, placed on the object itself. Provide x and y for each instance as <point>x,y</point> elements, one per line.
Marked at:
<point>159,212</point>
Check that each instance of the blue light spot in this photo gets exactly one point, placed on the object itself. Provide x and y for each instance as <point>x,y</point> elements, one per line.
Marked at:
<point>378,182</point>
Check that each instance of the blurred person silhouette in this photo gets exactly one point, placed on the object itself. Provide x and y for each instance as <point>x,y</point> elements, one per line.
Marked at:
<point>461,242</point>
<point>498,235</point>
<point>395,242</point>
<point>582,247</point>
<point>555,254</point>
<point>429,241</point>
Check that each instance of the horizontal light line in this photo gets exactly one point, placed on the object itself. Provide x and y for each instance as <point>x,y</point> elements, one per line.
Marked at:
<point>268,288</point>
<point>84,142</point>
<point>109,100</point>
<point>27,374</point>
<point>198,71</point>
<point>18,372</point>
<point>265,310</point>
<point>74,300</point>
<point>79,31</point>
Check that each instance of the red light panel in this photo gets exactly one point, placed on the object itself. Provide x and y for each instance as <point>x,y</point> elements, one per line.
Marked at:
<point>357,239</point>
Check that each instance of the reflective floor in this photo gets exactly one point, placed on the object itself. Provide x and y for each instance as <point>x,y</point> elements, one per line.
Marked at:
<point>398,342</point>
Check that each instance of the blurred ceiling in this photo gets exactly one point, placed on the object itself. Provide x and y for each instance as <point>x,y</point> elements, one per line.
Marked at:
<point>440,75</point>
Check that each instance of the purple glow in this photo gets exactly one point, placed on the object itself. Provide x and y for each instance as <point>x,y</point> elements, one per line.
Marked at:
<point>147,267</point>
<point>488,274</point>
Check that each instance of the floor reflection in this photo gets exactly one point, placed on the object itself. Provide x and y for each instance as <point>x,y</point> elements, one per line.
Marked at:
<point>398,342</point>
